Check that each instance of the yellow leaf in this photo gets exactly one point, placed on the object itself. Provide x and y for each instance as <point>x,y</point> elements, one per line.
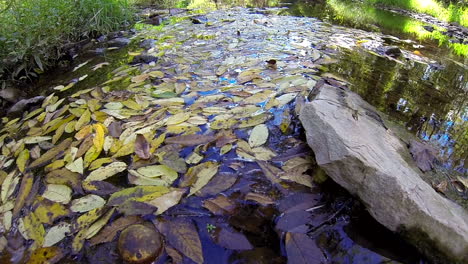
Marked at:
<point>125,150</point>
<point>59,133</point>
<point>46,255</point>
<point>83,132</point>
<point>156,74</point>
<point>25,188</point>
<point>98,225</point>
<point>177,118</point>
<point>84,120</point>
<point>132,104</point>
<point>140,78</point>
<point>47,211</point>
<point>99,137</point>
<point>51,154</point>
<point>155,143</point>
<point>99,162</point>
<point>106,172</point>
<point>32,228</point>
<point>70,127</point>
<point>55,165</point>
<point>204,176</point>
<point>92,154</point>
<point>138,193</point>
<point>23,157</point>
<point>9,185</point>
<point>84,223</point>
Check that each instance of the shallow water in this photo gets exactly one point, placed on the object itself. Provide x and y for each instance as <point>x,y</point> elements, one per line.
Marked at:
<point>432,82</point>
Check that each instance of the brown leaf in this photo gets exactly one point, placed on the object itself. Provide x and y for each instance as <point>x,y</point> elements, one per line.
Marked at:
<point>259,198</point>
<point>136,208</point>
<point>233,240</point>
<point>115,129</point>
<point>294,222</point>
<point>183,236</point>
<point>109,232</point>
<point>177,258</point>
<point>99,187</point>
<point>221,182</point>
<point>52,153</point>
<point>302,250</point>
<point>65,177</point>
<point>220,205</point>
<point>142,147</point>
<point>191,140</point>
<point>25,188</point>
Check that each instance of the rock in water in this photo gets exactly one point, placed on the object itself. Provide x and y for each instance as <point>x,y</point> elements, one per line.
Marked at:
<point>365,158</point>
<point>140,244</point>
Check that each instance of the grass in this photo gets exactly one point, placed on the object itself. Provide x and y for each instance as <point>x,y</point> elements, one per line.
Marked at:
<point>33,31</point>
<point>450,13</point>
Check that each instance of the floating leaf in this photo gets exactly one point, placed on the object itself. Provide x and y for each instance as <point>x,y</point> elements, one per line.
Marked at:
<point>109,232</point>
<point>56,233</point>
<point>52,153</point>
<point>46,255</point>
<point>302,250</point>
<point>87,203</point>
<point>191,140</point>
<point>177,118</point>
<point>31,228</point>
<point>204,176</point>
<point>107,171</point>
<point>47,211</point>
<point>136,208</point>
<point>25,188</point>
<point>183,236</point>
<point>258,136</point>
<point>138,193</point>
<point>142,147</point>
<point>76,166</point>
<point>221,205</point>
<point>58,193</point>
<point>232,240</point>
<point>166,201</point>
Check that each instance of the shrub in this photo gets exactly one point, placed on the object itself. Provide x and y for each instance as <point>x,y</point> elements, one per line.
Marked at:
<point>33,31</point>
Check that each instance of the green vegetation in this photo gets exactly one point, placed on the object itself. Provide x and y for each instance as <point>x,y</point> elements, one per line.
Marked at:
<point>451,12</point>
<point>33,31</point>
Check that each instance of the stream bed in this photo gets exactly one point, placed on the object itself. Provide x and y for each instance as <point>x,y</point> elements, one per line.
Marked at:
<point>208,83</point>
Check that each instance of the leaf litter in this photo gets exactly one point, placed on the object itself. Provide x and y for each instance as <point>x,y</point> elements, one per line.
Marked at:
<point>210,124</point>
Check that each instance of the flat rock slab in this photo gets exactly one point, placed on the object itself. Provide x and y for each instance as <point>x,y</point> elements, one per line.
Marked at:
<point>352,144</point>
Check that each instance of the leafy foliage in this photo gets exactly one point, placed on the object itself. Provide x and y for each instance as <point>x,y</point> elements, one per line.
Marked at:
<point>33,31</point>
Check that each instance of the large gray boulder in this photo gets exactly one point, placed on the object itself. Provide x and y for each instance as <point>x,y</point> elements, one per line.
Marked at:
<point>354,147</point>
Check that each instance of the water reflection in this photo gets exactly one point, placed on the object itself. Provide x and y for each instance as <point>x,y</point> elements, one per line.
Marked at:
<point>431,100</point>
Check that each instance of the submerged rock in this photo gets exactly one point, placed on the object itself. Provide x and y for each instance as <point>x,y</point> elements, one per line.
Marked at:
<point>21,105</point>
<point>144,58</point>
<point>370,161</point>
<point>148,44</point>
<point>140,244</point>
<point>119,42</point>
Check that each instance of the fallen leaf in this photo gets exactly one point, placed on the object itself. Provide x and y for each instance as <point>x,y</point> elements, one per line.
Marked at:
<point>56,234</point>
<point>190,140</point>
<point>107,171</point>
<point>219,183</point>
<point>76,166</point>
<point>177,118</point>
<point>23,157</point>
<point>58,193</point>
<point>136,208</point>
<point>51,154</point>
<point>183,236</point>
<point>31,228</point>
<point>232,240</point>
<point>204,176</point>
<point>108,233</point>
<point>48,211</point>
<point>138,193</point>
<point>25,188</point>
<point>46,255</point>
<point>87,203</point>
<point>167,201</point>
<point>99,187</point>
<point>142,147</point>
<point>259,198</point>
<point>221,205</point>
<point>300,249</point>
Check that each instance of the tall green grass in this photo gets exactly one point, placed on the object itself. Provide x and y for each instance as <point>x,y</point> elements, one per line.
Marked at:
<point>32,32</point>
<point>451,12</point>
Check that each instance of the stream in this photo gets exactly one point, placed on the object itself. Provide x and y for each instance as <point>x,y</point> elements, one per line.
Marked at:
<point>217,70</point>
